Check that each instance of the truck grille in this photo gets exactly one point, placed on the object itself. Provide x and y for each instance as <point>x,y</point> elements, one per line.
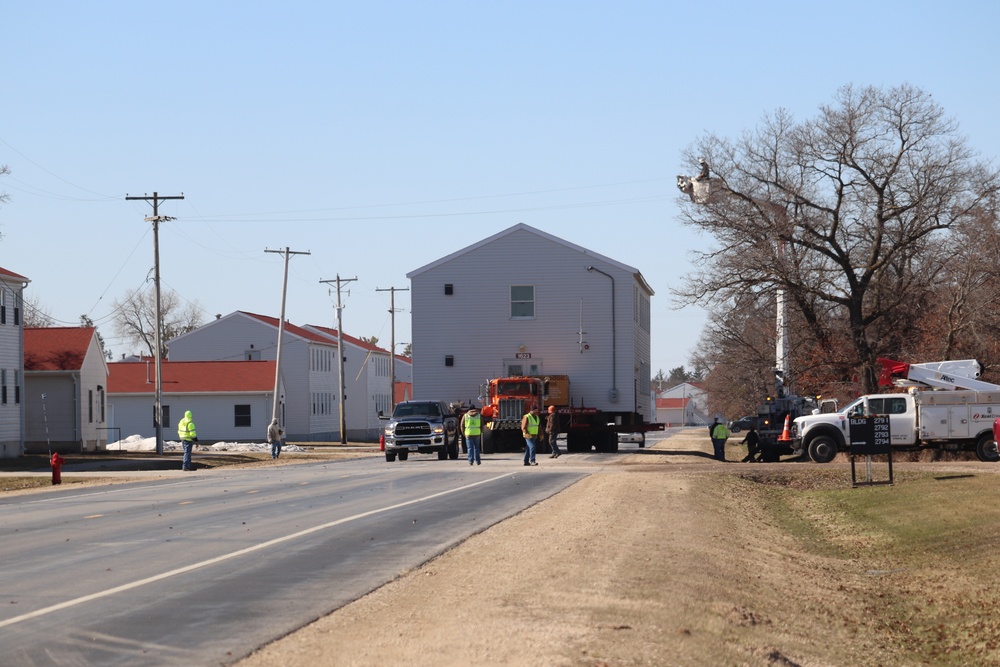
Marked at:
<point>410,429</point>
<point>511,408</point>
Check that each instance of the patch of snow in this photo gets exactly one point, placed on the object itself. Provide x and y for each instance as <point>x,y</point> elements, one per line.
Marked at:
<point>137,443</point>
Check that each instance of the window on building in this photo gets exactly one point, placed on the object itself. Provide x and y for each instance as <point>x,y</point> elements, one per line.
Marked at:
<point>90,406</point>
<point>165,409</point>
<point>522,302</point>
<point>3,306</point>
<point>3,385</point>
<point>449,289</point>
<point>17,386</point>
<point>449,360</point>
<point>241,416</point>
<point>17,309</point>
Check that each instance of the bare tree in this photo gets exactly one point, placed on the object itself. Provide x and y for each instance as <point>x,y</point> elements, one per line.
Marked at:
<point>838,212</point>
<point>36,315</point>
<point>135,318</point>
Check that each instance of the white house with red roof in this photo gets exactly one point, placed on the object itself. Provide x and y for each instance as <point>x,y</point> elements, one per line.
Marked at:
<point>684,404</point>
<point>229,400</point>
<point>309,371</point>
<point>65,389</point>
<point>12,287</point>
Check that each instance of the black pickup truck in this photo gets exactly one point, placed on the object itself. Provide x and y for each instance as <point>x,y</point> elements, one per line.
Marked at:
<point>423,427</point>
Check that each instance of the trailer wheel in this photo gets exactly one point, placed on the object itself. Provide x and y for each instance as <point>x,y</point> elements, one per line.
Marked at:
<point>642,440</point>
<point>487,441</point>
<point>390,456</point>
<point>403,455</point>
<point>986,449</point>
<point>453,449</point>
<point>822,449</point>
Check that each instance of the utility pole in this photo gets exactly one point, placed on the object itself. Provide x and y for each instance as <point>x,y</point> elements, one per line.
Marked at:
<point>340,357</point>
<point>392,340</point>
<point>281,331</point>
<point>156,219</point>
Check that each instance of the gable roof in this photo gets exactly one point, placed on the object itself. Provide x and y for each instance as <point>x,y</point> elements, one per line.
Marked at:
<point>672,403</point>
<point>537,232</point>
<point>6,274</point>
<point>129,377</point>
<point>332,333</point>
<point>56,348</point>
<point>290,328</point>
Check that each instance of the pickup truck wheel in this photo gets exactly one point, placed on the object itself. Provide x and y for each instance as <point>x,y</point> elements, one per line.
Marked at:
<point>403,455</point>
<point>390,456</point>
<point>822,449</point>
<point>986,449</point>
<point>642,440</point>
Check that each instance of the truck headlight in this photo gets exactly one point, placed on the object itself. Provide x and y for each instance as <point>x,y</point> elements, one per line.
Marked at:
<point>438,429</point>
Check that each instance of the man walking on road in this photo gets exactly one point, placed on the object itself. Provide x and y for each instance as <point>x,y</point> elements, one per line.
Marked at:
<point>552,432</point>
<point>529,429</point>
<point>274,434</point>
<point>472,429</point>
<point>188,435</point>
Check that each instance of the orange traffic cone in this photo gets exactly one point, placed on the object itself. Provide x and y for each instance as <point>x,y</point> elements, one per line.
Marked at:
<point>786,433</point>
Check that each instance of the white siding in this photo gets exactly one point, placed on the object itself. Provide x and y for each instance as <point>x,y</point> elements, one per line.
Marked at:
<point>239,336</point>
<point>214,416</point>
<point>11,361</point>
<point>572,332</point>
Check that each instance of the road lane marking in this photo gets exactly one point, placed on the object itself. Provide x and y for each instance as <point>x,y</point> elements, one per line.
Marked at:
<point>93,516</point>
<point>236,554</point>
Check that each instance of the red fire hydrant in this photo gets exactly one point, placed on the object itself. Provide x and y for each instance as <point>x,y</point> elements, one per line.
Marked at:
<point>57,464</point>
<point>381,441</point>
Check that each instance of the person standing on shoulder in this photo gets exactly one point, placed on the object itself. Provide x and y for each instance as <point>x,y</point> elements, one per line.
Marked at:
<point>472,428</point>
<point>188,435</point>
<point>752,441</point>
<point>274,434</point>
<point>552,431</point>
<point>529,429</point>
<point>719,436</point>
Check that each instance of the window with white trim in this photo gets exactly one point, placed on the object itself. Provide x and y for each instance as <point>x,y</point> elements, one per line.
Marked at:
<point>522,302</point>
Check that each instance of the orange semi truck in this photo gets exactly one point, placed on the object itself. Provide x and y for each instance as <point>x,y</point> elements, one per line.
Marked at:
<point>506,400</point>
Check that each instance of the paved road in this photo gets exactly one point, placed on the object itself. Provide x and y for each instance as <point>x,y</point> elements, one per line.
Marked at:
<point>202,569</point>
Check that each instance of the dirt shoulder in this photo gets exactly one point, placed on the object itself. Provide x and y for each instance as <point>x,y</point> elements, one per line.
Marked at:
<point>657,560</point>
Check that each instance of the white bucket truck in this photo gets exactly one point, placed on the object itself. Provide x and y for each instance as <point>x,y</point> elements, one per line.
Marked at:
<point>945,407</point>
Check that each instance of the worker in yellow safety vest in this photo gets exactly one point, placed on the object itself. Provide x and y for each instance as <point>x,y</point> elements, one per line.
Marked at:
<point>472,429</point>
<point>529,429</point>
<point>188,435</point>
<point>720,433</point>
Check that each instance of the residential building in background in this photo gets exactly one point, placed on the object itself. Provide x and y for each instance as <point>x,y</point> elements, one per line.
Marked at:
<point>12,287</point>
<point>683,405</point>
<point>524,302</point>
<point>65,390</point>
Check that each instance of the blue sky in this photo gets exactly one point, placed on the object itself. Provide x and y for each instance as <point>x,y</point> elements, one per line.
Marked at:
<point>381,136</point>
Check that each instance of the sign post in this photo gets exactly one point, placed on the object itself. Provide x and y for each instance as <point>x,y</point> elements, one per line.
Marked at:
<point>870,436</point>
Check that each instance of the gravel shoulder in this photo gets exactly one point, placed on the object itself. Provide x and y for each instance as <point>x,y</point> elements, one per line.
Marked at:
<point>652,560</point>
